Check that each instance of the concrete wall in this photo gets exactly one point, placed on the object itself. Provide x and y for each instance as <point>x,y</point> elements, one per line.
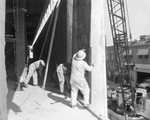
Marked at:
<point>97,44</point>
<point>81,26</point>
<point>88,33</point>
<point>3,85</point>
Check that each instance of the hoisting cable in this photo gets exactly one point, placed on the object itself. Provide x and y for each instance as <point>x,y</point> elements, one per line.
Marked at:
<point>130,34</point>
<point>51,42</point>
<point>46,34</point>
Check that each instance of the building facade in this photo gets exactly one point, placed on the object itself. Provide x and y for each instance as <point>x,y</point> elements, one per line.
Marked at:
<point>110,62</point>
<point>139,55</point>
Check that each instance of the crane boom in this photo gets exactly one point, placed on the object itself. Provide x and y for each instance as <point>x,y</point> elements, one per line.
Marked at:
<point>118,25</point>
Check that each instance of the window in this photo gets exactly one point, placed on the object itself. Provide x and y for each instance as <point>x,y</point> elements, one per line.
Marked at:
<point>130,52</point>
<point>140,56</point>
<point>130,56</point>
<point>112,57</point>
<point>143,56</point>
<point>146,56</point>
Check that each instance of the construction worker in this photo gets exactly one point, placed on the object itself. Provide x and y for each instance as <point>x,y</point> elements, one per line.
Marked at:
<point>67,75</point>
<point>78,81</point>
<point>34,68</point>
<point>62,77</point>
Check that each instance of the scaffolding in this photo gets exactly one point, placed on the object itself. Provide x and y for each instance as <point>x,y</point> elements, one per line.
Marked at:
<point>11,41</point>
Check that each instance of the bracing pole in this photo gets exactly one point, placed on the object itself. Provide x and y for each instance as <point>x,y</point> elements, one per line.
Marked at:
<point>51,44</point>
<point>46,34</point>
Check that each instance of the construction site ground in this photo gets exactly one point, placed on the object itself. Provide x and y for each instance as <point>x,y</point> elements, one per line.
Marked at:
<point>36,103</point>
<point>145,113</point>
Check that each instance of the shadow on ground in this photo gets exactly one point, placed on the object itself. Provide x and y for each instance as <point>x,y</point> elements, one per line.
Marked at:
<point>64,100</point>
<point>11,91</point>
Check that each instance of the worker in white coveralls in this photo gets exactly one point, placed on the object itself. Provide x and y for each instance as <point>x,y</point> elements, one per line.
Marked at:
<point>78,81</point>
<point>34,68</point>
<point>61,73</point>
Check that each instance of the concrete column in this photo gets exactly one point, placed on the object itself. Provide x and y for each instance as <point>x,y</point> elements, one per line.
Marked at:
<point>97,44</point>
<point>20,43</point>
<point>69,29</point>
<point>3,85</point>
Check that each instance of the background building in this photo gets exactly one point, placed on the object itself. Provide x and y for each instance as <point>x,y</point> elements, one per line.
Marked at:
<point>139,54</point>
<point>110,62</point>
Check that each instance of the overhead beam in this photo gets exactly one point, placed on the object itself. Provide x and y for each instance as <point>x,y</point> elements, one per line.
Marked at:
<point>46,16</point>
<point>14,10</point>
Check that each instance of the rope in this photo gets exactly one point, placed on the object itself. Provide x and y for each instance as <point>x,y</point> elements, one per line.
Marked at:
<point>126,6</point>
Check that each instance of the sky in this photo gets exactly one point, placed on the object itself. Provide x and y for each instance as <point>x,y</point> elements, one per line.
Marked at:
<point>139,18</point>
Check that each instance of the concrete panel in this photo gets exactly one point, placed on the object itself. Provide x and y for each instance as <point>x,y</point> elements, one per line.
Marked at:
<point>81,25</point>
<point>3,85</point>
<point>97,44</point>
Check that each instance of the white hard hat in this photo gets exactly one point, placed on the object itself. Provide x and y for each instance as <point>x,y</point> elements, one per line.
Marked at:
<point>80,55</point>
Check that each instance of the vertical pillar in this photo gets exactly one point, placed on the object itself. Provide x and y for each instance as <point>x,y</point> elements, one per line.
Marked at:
<point>20,43</point>
<point>97,44</point>
<point>69,29</point>
<point>135,77</point>
<point>3,85</point>
<point>75,45</point>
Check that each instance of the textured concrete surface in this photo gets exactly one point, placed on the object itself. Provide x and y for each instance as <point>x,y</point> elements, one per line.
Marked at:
<point>35,103</point>
<point>97,44</point>
<point>3,85</point>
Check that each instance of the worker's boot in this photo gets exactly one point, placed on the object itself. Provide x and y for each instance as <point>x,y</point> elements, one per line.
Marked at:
<point>73,106</point>
<point>35,85</point>
<point>24,85</point>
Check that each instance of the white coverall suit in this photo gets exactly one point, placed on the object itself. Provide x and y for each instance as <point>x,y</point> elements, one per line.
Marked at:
<point>33,67</point>
<point>61,78</point>
<point>78,81</point>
